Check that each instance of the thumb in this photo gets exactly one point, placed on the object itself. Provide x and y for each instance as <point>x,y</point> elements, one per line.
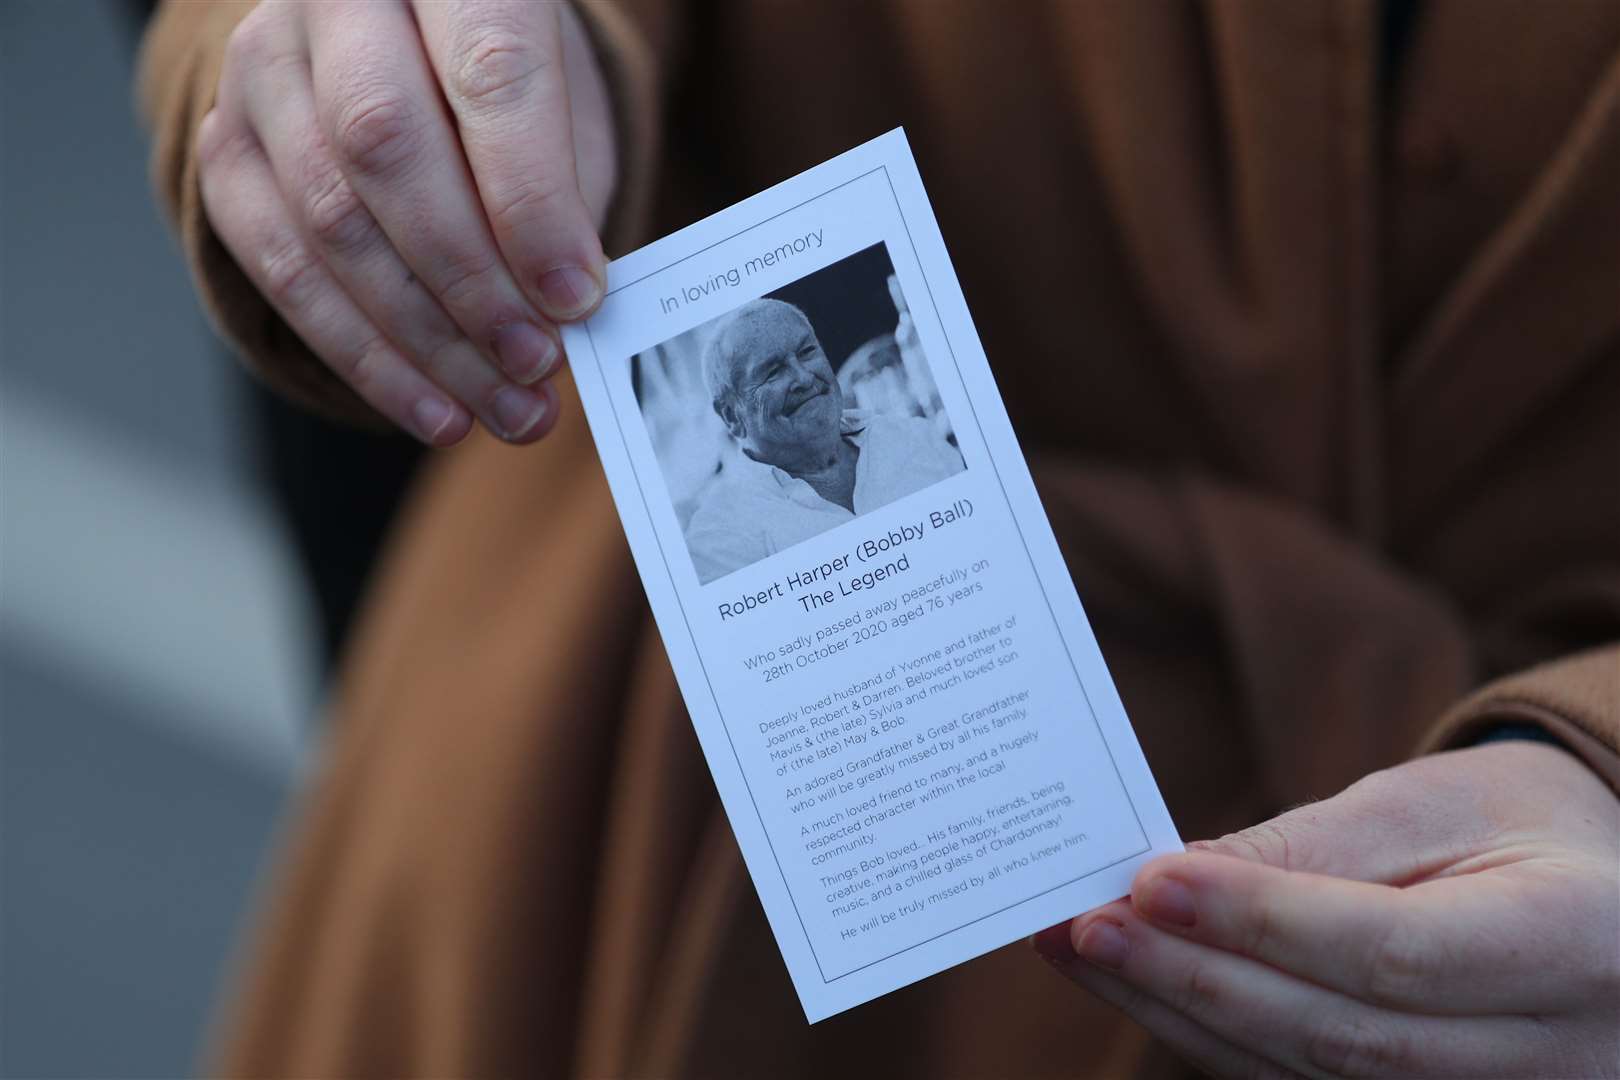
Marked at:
<point>1323,837</point>
<point>1390,827</point>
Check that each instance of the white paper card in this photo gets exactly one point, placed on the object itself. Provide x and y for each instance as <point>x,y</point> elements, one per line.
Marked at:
<point>906,714</point>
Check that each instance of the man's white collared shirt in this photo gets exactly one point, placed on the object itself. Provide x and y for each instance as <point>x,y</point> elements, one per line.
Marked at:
<point>755,510</point>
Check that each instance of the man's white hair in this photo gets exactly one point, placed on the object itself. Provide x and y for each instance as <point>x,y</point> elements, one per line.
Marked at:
<point>720,357</point>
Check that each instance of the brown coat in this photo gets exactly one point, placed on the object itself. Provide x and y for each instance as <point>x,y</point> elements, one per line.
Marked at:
<point>1320,382</point>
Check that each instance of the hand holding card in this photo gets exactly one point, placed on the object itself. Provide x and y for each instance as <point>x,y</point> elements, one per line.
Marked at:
<point>906,714</point>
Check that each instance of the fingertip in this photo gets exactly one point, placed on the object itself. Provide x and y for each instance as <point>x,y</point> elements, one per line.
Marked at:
<point>526,351</point>
<point>1159,863</point>
<point>1101,941</point>
<point>1166,901</point>
<point>541,419</point>
<point>553,413</point>
<point>1115,911</point>
<point>207,126</point>
<point>1163,889</point>
<point>1054,944</point>
<point>1154,869</point>
<point>457,433</point>
<point>439,423</point>
<point>562,362</point>
<point>569,293</point>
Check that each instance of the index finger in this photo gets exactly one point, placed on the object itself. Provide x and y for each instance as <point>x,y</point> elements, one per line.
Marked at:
<point>504,72</point>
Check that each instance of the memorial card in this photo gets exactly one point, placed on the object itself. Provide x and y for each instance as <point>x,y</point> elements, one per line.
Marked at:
<point>891,676</point>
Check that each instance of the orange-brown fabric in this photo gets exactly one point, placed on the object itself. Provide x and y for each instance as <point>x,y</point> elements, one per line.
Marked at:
<point>1574,699</point>
<point>1319,386</point>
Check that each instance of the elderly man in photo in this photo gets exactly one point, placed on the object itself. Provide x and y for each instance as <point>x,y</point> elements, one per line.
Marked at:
<point>805,463</point>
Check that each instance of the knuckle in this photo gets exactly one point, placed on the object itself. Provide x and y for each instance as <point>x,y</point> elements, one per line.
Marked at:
<point>496,67</point>
<point>466,279</point>
<point>249,42</point>
<point>526,198</point>
<point>1266,843</point>
<point>1355,1046</point>
<point>1200,992</point>
<point>1260,928</point>
<point>1401,966</point>
<point>337,218</point>
<point>362,368</point>
<point>376,131</point>
<point>218,142</point>
<point>1273,839</point>
<point>442,361</point>
<point>1377,787</point>
<point>289,271</point>
<point>211,136</point>
<point>260,42</point>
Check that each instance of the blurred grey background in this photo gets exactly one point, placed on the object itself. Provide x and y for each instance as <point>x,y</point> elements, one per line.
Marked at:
<point>157,673</point>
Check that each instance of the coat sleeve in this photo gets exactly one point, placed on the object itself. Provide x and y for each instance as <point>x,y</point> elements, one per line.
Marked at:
<point>178,72</point>
<point>1575,698</point>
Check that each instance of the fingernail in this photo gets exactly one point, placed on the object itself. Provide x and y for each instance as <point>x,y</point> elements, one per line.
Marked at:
<point>1104,944</point>
<point>516,411</point>
<point>526,352</point>
<point>1054,944</point>
<point>431,416</point>
<point>1167,900</point>
<point>568,292</point>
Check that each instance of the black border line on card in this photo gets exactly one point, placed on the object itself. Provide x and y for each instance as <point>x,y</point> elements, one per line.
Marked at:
<point>1007,498</point>
<point>755,225</point>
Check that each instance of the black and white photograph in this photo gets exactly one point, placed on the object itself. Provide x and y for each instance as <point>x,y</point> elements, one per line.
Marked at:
<point>794,413</point>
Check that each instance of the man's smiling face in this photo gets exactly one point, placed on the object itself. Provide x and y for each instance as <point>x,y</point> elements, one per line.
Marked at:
<point>785,399</point>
